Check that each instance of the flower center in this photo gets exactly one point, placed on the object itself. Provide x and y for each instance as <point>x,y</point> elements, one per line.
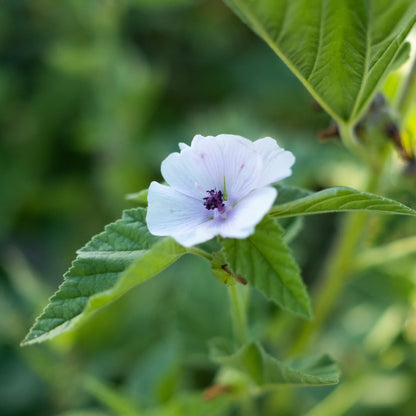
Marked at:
<point>215,200</point>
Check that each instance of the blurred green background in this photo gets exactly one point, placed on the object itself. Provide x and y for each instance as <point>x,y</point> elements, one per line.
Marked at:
<point>94,94</point>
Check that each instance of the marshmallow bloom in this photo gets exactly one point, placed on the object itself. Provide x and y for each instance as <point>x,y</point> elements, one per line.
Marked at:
<point>218,186</point>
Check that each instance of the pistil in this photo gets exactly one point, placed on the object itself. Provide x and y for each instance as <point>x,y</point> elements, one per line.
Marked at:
<point>215,200</point>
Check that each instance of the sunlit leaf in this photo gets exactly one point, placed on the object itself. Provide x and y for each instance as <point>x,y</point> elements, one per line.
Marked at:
<point>265,261</point>
<point>121,257</point>
<point>340,50</point>
<point>266,371</point>
<point>340,199</point>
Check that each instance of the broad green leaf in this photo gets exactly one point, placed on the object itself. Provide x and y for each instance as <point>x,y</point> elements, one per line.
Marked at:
<point>121,257</point>
<point>266,371</point>
<point>340,50</point>
<point>266,262</point>
<point>340,199</point>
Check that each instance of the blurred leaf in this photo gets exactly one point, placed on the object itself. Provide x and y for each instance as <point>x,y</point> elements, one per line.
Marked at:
<point>89,412</point>
<point>110,397</point>
<point>340,199</point>
<point>193,404</point>
<point>266,371</point>
<point>268,265</point>
<point>341,50</point>
<point>162,3</point>
<point>379,256</point>
<point>113,262</point>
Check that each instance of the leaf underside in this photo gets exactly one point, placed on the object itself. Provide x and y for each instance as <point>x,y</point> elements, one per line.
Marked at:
<point>340,50</point>
<point>339,199</point>
<point>266,371</point>
<point>266,262</point>
<point>122,256</point>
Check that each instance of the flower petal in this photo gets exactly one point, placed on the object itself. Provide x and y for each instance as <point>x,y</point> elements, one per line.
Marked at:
<point>197,235</point>
<point>243,218</point>
<point>196,169</point>
<point>172,212</point>
<point>276,161</point>
<point>242,166</point>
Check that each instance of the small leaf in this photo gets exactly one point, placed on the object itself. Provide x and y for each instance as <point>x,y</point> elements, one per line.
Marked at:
<point>340,50</point>
<point>138,197</point>
<point>266,371</point>
<point>266,262</point>
<point>340,199</point>
<point>113,262</point>
<point>219,270</point>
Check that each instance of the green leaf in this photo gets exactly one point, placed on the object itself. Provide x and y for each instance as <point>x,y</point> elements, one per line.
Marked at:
<point>402,56</point>
<point>340,199</point>
<point>113,262</point>
<point>340,50</point>
<point>266,371</point>
<point>266,262</point>
<point>138,197</point>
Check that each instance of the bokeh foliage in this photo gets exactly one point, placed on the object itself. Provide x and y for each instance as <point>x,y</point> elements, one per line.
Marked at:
<point>93,95</point>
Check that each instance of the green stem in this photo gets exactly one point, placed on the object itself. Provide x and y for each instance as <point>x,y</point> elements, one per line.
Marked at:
<point>238,300</point>
<point>393,251</point>
<point>336,271</point>
<point>199,252</point>
<point>407,92</point>
<point>352,142</point>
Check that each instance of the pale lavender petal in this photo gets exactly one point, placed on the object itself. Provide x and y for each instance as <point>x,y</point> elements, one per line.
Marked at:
<point>170,212</point>
<point>199,234</point>
<point>183,146</point>
<point>196,169</point>
<point>276,161</point>
<point>242,165</point>
<point>243,218</point>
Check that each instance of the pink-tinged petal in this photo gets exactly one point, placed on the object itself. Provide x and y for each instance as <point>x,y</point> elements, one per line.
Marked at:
<point>170,212</point>
<point>195,169</point>
<point>243,218</point>
<point>276,161</point>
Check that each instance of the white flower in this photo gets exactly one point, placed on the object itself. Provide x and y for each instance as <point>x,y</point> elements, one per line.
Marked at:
<point>218,186</point>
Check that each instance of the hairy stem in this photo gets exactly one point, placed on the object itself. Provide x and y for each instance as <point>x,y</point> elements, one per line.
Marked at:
<point>238,302</point>
<point>335,272</point>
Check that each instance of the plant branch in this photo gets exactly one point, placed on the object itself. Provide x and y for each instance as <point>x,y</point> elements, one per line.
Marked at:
<point>335,272</point>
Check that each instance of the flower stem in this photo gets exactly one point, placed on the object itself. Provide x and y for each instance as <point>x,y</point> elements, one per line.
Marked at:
<point>336,271</point>
<point>238,302</point>
<point>199,252</point>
